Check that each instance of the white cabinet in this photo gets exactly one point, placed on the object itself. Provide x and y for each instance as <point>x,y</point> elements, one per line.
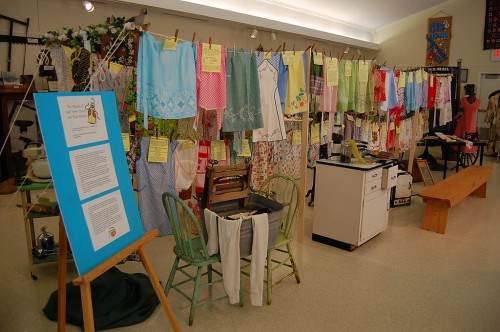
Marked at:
<point>351,202</point>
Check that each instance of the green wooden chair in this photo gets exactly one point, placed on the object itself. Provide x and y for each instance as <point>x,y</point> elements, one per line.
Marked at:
<point>191,249</point>
<point>284,190</point>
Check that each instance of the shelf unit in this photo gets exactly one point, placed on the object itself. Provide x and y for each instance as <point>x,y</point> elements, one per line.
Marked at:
<point>29,226</point>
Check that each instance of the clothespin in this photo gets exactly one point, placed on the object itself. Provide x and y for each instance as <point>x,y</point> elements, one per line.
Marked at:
<point>176,34</point>
<point>394,69</point>
<point>293,49</point>
<point>364,59</point>
<point>341,56</point>
<point>383,65</point>
<point>308,47</point>
<point>359,57</point>
<point>270,50</point>
<point>234,48</point>
<point>352,58</point>
<point>374,58</point>
<point>324,51</point>
<point>284,44</point>
<point>330,53</point>
<point>192,40</point>
<point>278,49</point>
<point>210,42</point>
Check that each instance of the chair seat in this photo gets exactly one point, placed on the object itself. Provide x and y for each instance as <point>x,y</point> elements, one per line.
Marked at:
<point>199,259</point>
<point>281,240</point>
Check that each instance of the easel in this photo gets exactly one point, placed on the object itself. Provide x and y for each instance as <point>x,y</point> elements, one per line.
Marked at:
<point>85,280</point>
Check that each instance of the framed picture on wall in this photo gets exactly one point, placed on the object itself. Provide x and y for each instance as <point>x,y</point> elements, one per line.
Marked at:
<point>464,73</point>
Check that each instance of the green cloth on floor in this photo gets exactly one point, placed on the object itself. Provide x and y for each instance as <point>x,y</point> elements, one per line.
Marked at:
<point>118,299</point>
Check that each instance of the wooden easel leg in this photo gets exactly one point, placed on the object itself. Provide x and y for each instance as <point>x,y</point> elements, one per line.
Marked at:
<point>435,216</point>
<point>88,314</point>
<point>158,289</point>
<point>61,282</point>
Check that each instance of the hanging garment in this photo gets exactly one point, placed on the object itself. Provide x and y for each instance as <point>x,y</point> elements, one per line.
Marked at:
<point>210,124</point>
<point>121,86</point>
<point>131,155</point>
<point>379,80</point>
<point>129,104</point>
<point>185,129</point>
<point>80,66</point>
<point>155,127</point>
<point>405,135</point>
<point>391,90</point>
<point>431,95</point>
<point>211,86</point>
<point>235,159</point>
<point>287,155</point>
<point>166,80</point>
<point>229,245</point>
<point>103,81</point>
<point>312,154</point>
<point>296,95</point>
<point>425,90</point>
<point>418,88</point>
<point>355,92</point>
<point>153,179</point>
<point>62,67</point>
<point>443,99</point>
<point>329,98</point>
<point>186,164</point>
<point>316,81</point>
<point>398,110</point>
<point>409,93</point>
<point>260,228</point>
<point>348,127</point>
<point>365,90</point>
<point>272,115</point>
<point>343,88</point>
<point>243,110</point>
<point>203,157</point>
<point>493,118</point>
<point>263,166</point>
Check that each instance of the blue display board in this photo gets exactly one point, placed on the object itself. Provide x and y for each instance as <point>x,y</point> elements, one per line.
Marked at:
<point>86,156</point>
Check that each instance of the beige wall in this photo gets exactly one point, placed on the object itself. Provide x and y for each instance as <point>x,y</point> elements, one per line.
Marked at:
<point>55,14</point>
<point>404,44</point>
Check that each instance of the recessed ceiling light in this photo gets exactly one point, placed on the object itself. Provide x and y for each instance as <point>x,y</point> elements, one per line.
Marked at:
<point>88,6</point>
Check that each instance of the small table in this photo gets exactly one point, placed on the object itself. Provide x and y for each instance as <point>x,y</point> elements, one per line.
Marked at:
<point>459,145</point>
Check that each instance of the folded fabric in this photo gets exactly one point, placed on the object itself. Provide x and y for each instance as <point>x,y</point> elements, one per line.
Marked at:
<point>213,235</point>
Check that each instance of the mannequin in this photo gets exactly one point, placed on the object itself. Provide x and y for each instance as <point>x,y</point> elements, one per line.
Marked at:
<point>467,123</point>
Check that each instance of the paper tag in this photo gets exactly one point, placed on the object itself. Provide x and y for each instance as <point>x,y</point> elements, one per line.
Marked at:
<point>384,131</point>
<point>288,58</point>
<point>425,75</point>
<point>397,131</point>
<point>449,78</point>
<point>158,150</point>
<point>403,125</point>
<point>187,144</point>
<point>318,58</point>
<point>375,126</point>
<point>217,149</point>
<point>296,137</point>
<point>315,134</point>
<point>348,68</point>
<point>211,58</point>
<point>126,141</point>
<point>170,44</point>
<point>367,127</point>
<point>332,75</point>
<point>132,117</point>
<point>431,80</point>
<point>420,119</point>
<point>410,77</point>
<point>115,68</point>
<point>363,70</point>
<point>391,125</point>
<point>358,122</point>
<point>402,80</point>
<point>245,152</point>
<point>349,117</point>
<point>268,55</point>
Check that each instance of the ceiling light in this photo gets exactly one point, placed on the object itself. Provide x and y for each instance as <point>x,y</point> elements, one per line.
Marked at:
<point>254,34</point>
<point>273,36</point>
<point>88,6</point>
<point>346,50</point>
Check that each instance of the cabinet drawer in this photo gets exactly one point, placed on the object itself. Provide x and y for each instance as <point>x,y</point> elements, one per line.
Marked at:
<point>389,177</point>
<point>373,175</point>
<point>373,186</point>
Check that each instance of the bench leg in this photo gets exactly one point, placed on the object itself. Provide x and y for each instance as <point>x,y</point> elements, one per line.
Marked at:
<point>480,191</point>
<point>435,216</point>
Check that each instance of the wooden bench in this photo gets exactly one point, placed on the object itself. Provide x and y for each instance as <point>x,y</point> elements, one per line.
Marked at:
<point>442,196</point>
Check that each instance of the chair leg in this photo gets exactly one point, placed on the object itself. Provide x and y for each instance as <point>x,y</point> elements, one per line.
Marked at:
<point>241,289</point>
<point>269,268</point>
<point>194,300</point>
<point>171,276</point>
<point>209,273</point>
<point>292,260</point>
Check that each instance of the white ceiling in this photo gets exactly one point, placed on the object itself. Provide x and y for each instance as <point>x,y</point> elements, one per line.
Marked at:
<point>352,22</point>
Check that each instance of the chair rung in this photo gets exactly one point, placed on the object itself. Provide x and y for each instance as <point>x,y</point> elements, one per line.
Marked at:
<point>182,293</point>
<point>283,278</point>
<point>204,304</point>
